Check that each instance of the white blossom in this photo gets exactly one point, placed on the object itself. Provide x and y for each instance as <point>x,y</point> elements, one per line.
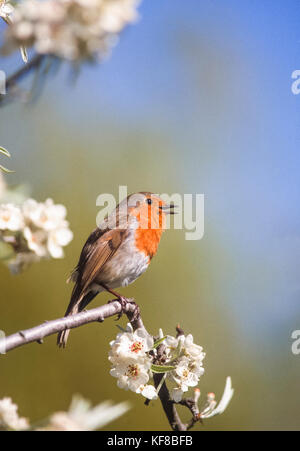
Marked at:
<point>51,216</point>
<point>171,343</point>
<point>177,393</point>
<point>187,373</point>
<point>70,29</point>
<point>131,373</point>
<point>6,9</point>
<point>6,12</point>
<point>10,217</point>
<point>36,241</point>
<point>191,350</point>
<point>34,230</point>
<point>131,344</point>
<point>57,239</point>
<point>82,417</point>
<point>131,362</point>
<point>47,215</point>
<point>132,355</point>
<point>148,391</point>
<point>9,418</point>
<point>188,359</point>
<point>31,210</point>
<point>47,230</point>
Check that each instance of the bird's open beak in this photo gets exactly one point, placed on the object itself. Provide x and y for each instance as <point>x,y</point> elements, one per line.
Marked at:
<point>168,209</point>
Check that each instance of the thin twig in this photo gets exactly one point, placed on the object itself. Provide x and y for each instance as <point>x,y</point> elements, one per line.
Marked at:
<point>24,70</point>
<point>33,64</point>
<point>192,405</point>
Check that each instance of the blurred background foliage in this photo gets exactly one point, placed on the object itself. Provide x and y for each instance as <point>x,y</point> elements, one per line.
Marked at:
<point>196,98</point>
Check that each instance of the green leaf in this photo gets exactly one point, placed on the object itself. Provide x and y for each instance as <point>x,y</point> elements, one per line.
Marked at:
<point>158,342</point>
<point>4,151</point>
<point>161,368</point>
<point>8,171</point>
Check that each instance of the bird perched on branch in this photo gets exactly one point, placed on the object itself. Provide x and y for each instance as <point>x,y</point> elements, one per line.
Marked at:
<point>118,251</point>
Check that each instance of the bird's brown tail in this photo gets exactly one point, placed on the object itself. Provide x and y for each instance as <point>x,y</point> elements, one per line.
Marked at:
<point>62,336</point>
<point>77,304</point>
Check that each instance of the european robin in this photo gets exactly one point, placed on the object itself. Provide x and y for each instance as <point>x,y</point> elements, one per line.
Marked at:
<point>118,251</point>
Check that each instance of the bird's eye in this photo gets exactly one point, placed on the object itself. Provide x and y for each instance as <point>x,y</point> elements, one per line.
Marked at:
<point>149,201</point>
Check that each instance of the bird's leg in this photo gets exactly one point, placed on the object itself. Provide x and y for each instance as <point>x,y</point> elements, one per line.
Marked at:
<point>122,299</point>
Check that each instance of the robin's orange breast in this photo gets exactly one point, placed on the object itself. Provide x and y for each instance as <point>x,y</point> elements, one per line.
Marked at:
<point>147,241</point>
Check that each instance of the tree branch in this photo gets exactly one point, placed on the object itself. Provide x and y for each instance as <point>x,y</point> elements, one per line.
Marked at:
<point>99,314</point>
<point>11,81</point>
<point>168,405</point>
<point>24,70</point>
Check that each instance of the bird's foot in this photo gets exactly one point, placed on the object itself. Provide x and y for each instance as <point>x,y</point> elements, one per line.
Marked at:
<point>135,313</point>
<point>124,302</point>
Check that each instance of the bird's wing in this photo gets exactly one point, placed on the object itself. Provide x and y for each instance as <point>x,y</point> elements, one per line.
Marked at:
<point>98,249</point>
<point>102,250</point>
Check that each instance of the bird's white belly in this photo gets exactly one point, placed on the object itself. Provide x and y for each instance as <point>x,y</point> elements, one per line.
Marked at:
<point>125,266</point>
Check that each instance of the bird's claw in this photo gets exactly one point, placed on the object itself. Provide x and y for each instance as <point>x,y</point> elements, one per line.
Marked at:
<point>124,301</point>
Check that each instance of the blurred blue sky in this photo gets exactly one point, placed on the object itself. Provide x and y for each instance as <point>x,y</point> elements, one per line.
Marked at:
<point>238,58</point>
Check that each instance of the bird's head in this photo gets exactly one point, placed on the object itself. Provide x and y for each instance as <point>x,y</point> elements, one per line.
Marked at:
<point>149,209</point>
